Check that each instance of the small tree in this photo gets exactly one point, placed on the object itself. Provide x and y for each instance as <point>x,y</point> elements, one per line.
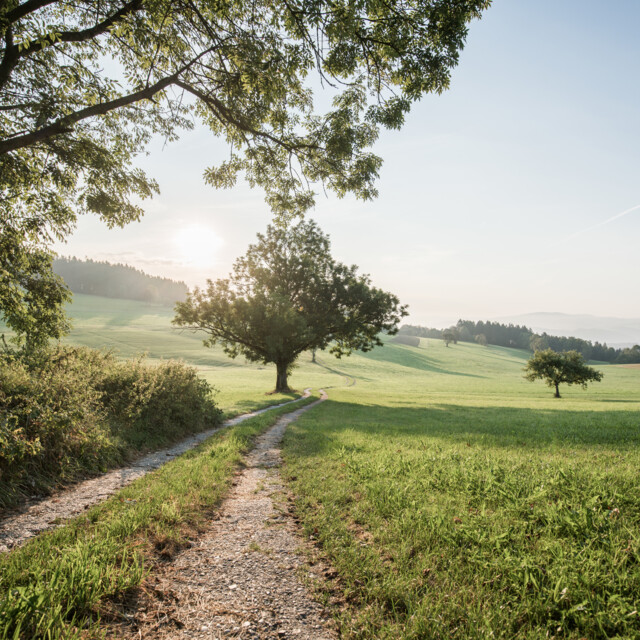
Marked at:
<point>538,343</point>
<point>449,336</point>
<point>481,339</point>
<point>288,295</point>
<point>554,368</point>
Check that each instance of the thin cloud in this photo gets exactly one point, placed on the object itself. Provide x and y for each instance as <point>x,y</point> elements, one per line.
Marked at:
<point>604,222</point>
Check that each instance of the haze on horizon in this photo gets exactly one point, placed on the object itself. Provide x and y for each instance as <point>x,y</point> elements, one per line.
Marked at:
<point>514,192</point>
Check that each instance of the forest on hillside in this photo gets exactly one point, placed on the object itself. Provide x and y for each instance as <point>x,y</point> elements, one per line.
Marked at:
<point>521,337</point>
<point>118,281</point>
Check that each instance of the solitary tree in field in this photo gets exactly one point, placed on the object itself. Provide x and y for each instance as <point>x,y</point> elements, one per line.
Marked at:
<point>555,369</point>
<point>71,125</point>
<point>449,336</point>
<point>288,295</point>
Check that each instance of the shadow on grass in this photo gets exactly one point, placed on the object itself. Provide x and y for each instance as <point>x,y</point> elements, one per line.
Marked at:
<point>413,358</point>
<point>351,380</point>
<point>268,400</point>
<point>484,426</point>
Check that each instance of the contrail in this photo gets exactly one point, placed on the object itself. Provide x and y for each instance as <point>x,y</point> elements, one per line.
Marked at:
<point>601,224</point>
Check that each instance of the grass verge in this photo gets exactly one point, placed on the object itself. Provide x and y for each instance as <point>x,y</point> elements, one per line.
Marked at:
<point>60,584</point>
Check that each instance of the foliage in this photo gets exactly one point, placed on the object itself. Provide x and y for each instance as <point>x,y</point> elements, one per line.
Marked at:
<point>240,67</point>
<point>57,585</point>
<point>71,125</point>
<point>72,411</point>
<point>497,333</point>
<point>450,335</point>
<point>421,332</point>
<point>560,368</point>
<point>288,295</point>
<point>630,355</point>
<point>521,337</point>
<point>31,295</point>
<point>481,339</point>
<point>117,281</point>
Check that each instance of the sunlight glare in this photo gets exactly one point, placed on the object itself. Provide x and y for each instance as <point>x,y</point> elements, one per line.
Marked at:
<point>198,245</point>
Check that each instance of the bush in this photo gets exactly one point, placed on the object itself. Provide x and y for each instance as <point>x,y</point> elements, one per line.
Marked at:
<point>69,412</point>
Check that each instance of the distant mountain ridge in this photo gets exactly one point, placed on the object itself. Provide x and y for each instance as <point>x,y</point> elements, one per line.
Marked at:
<point>616,332</point>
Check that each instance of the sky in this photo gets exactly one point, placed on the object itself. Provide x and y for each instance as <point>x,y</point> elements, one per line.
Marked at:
<point>516,191</point>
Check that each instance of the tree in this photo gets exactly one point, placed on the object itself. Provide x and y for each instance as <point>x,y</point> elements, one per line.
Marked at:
<point>538,343</point>
<point>450,335</point>
<point>84,84</point>
<point>288,295</point>
<point>555,368</point>
<point>31,295</point>
<point>481,339</point>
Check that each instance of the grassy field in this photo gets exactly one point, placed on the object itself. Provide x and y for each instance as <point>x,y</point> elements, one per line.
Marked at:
<point>457,500</point>
<point>132,328</point>
<point>454,498</point>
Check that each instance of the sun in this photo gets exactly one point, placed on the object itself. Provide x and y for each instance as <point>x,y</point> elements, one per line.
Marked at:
<point>198,245</point>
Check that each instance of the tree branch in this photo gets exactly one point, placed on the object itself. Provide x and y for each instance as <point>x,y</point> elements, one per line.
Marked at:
<point>13,55</point>
<point>10,57</point>
<point>26,8</point>
<point>65,124</point>
<point>227,117</point>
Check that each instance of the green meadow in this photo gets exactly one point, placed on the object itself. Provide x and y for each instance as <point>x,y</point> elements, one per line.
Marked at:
<point>457,500</point>
<point>453,498</point>
<point>132,328</point>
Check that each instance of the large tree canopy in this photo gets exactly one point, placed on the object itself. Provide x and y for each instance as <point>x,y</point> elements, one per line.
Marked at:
<point>288,295</point>
<point>85,83</point>
<point>555,369</point>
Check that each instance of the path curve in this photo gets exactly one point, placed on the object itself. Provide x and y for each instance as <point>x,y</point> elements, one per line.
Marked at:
<point>48,513</point>
<point>240,578</point>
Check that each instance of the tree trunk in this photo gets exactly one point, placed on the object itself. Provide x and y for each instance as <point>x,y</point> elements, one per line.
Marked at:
<point>281,379</point>
<point>557,391</point>
<point>313,355</point>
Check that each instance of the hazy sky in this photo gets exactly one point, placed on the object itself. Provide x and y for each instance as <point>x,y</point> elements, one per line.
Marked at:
<point>516,191</point>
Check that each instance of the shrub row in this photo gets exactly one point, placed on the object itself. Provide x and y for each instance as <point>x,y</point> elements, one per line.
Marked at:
<point>78,411</point>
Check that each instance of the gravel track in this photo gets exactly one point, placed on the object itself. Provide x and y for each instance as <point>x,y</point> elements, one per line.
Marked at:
<point>240,578</point>
<point>40,515</point>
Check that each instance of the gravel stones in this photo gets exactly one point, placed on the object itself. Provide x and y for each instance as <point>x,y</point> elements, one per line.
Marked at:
<point>240,578</point>
<point>49,513</point>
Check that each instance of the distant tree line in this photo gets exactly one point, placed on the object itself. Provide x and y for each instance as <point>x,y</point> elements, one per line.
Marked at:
<point>118,281</point>
<point>521,337</point>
